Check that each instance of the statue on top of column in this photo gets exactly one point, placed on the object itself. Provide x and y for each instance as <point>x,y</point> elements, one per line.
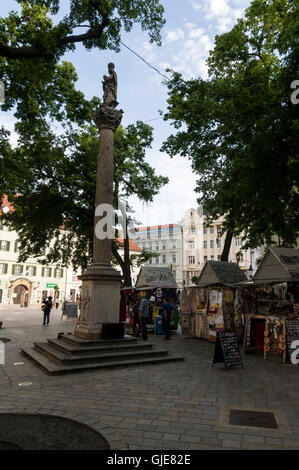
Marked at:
<point>110,87</point>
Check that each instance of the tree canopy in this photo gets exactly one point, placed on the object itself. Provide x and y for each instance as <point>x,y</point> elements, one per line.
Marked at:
<point>32,34</point>
<point>240,128</point>
<point>52,181</point>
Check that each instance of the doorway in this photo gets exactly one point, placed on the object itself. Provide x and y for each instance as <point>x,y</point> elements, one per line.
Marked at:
<point>18,293</point>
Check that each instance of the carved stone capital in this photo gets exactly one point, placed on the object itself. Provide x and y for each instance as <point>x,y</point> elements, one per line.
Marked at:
<point>107,117</point>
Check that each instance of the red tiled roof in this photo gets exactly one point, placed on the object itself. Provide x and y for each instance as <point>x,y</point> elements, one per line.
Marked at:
<point>132,245</point>
<point>6,203</point>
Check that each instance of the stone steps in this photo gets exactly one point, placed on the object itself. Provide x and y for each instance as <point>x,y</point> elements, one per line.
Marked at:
<point>70,348</point>
<point>74,354</point>
<point>60,357</point>
<point>53,368</point>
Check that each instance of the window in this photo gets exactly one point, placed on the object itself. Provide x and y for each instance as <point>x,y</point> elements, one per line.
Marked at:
<point>74,277</point>
<point>238,241</point>
<point>218,230</point>
<point>46,272</point>
<point>157,247</point>
<point>205,244</point>
<point>205,258</point>
<point>191,259</point>
<point>30,270</point>
<point>212,230</point>
<point>164,259</point>
<point>174,246</point>
<point>205,230</point>
<point>212,258</point>
<point>157,260</point>
<point>241,257</point>
<point>191,245</point>
<point>192,230</point>
<point>211,243</point>
<point>3,268</point>
<point>218,243</point>
<point>17,269</point>
<point>17,246</point>
<point>4,245</point>
<point>174,258</point>
<point>164,246</point>
<point>159,233</point>
<point>150,261</point>
<point>148,235</point>
<point>150,247</point>
<point>58,272</point>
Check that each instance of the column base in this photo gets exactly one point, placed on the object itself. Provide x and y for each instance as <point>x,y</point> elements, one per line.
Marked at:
<point>100,300</point>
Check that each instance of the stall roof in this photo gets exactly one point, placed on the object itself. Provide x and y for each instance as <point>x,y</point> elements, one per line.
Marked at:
<point>278,265</point>
<point>152,277</point>
<point>221,272</point>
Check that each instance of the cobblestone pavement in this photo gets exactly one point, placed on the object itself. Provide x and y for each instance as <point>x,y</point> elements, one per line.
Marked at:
<point>175,406</point>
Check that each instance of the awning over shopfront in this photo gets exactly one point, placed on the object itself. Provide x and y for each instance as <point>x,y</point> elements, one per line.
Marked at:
<point>150,277</point>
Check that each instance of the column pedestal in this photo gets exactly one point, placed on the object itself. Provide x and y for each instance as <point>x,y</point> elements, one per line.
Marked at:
<point>100,300</point>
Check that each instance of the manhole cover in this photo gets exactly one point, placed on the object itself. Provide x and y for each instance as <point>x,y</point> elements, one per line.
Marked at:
<point>258,419</point>
<point>5,340</point>
<point>45,432</point>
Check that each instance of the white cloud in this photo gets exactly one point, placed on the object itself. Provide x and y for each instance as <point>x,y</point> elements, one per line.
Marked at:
<point>171,207</point>
<point>175,35</point>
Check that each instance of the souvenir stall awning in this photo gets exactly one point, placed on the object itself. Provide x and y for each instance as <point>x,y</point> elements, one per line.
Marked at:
<point>153,277</point>
<point>278,265</point>
<point>221,272</point>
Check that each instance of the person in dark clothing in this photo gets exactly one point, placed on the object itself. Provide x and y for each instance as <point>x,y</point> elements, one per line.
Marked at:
<point>136,318</point>
<point>167,312</point>
<point>144,313</point>
<point>47,309</point>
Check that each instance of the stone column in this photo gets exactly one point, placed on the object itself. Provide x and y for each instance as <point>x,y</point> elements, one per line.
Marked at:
<point>100,299</point>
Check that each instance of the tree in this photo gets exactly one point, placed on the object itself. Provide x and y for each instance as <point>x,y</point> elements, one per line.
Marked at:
<point>54,178</point>
<point>38,84</point>
<point>240,128</point>
<point>32,34</point>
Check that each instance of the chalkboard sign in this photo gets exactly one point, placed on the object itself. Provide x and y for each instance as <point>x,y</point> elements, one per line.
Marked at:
<point>227,350</point>
<point>71,310</point>
<point>292,333</point>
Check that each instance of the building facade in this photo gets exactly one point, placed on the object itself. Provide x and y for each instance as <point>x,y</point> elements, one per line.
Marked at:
<point>26,283</point>
<point>166,242</point>
<point>201,244</point>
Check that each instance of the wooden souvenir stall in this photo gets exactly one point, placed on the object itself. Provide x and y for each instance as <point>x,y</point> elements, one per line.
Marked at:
<point>275,313</point>
<point>157,283</point>
<point>215,305</point>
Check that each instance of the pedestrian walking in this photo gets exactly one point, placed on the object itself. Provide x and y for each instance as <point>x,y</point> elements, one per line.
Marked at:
<point>167,313</point>
<point>144,313</point>
<point>46,307</point>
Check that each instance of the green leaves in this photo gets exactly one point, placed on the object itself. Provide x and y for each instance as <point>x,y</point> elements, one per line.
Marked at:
<point>239,127</point>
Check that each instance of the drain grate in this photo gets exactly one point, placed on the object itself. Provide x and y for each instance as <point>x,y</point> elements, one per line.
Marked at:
<point>258,419</point>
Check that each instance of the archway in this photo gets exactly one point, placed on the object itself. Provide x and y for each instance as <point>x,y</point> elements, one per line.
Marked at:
<point>21,292</point>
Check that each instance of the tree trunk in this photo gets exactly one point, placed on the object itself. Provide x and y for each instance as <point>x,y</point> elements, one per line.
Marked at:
<point>227,245</point>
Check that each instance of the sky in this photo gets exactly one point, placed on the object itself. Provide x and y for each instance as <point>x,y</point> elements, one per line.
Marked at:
<point>187,38</point>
